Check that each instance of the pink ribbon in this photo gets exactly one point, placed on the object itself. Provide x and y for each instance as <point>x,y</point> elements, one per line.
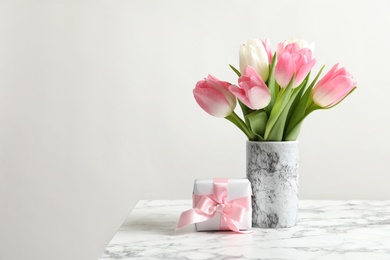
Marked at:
<point>206,206</point>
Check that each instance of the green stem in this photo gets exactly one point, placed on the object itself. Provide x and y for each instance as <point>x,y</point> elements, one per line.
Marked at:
<point>310,108</point>
<point>235,119</point>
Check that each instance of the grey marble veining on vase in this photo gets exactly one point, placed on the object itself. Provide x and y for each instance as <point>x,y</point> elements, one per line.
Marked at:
<point>325,230</point>
<point>273,170</point>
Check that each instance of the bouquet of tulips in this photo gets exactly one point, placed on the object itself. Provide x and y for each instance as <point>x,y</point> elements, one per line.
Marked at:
<point>274,90</point>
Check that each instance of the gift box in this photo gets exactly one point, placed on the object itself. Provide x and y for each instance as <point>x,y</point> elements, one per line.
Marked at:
<point>220,204</point>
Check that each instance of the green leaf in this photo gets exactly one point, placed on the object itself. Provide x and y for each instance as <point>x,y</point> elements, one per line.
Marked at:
<point>272,86</point>
<point>280,103</point>
<point>294,133</point>
<point>297,99</point>
<point>235,70</point>
<point>299,112</point>
<point>277,132</point>
<point>235,119</point>
<point>245,110</point>
<point>257,121</point>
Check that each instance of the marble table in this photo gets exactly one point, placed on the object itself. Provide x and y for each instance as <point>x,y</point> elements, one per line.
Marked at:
<point>325,230</point>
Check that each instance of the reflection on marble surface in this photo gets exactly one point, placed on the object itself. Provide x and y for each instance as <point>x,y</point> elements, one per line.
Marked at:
<point>325,230</point>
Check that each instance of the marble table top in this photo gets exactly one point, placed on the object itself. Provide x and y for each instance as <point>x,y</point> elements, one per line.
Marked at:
<point>325,230</point>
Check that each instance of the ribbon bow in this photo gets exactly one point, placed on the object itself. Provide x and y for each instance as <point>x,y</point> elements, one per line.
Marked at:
<point>207,206</point>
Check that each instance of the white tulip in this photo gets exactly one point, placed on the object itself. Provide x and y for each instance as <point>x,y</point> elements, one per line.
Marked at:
<point>253,53</point>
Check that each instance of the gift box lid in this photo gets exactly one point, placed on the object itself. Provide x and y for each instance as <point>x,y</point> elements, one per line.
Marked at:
<point>238,187</point>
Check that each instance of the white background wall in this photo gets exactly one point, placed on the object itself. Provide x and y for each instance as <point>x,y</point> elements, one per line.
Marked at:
<point>97,112</point>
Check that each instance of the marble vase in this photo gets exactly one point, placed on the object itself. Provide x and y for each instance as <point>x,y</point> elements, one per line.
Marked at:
<point>273,171</point>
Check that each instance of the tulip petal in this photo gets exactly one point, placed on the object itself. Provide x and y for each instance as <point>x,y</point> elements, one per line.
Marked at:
<point>253,52</point>
<point>222,83</point>
<point>267,46</point>
<point>303,71</point>
<point>259,97</point>
<point>240,94</point>
<point>221,86</point>
<point>333,87</point>
<point>328,75</point>
<point>332,92</point>
<point>254,75</point>
<point>295,56</point>
<point>244,82</point>
<point>212,101</point>
<point>284,70</point>
<point>214,97</point>
<point>253,92</point>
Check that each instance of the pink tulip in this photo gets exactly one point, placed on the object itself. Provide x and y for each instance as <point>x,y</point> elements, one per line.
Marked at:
<point>214,97</point>
<point>292,59</point>
<point>333,87</point>
<point>253,92</point>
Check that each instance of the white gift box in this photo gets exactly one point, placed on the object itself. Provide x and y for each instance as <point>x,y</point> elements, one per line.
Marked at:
<point>237,189</point>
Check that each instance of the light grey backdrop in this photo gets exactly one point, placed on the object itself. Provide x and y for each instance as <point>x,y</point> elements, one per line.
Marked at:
<point>97,112</point>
